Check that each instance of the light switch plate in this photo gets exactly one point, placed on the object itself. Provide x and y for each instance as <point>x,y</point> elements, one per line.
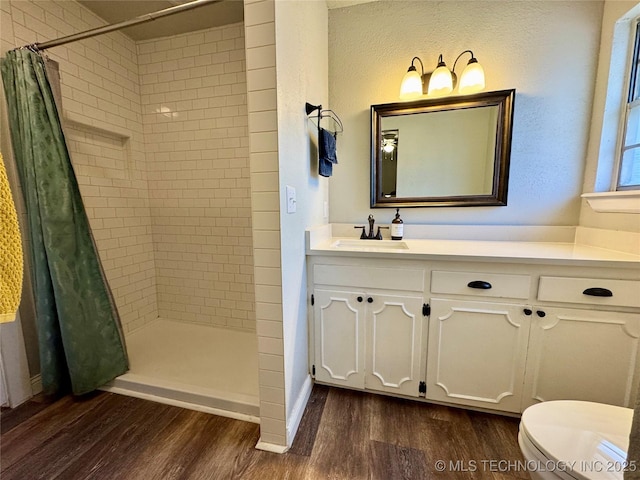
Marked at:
<point>291,199</point>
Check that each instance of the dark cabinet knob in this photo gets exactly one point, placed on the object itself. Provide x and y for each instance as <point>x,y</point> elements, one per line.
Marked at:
<point>540,313</point>
<point>360,299</point>
<point>527,311</point>
<point>370,300</point>
<point>480,284</point>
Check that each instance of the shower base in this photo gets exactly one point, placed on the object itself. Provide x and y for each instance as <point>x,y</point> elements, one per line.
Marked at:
<point>210,369</point>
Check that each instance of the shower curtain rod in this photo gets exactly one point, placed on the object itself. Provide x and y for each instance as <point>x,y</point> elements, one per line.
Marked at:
<point>147,17</point>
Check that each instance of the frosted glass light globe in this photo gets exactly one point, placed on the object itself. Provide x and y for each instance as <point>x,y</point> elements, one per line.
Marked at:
<point>472,79</point>
<point>441,82</point>
<point>411,86</point>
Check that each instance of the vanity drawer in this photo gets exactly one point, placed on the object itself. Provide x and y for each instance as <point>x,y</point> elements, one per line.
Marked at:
<point>407,279</point>
<point>481,284</point>
<point>593,291</point>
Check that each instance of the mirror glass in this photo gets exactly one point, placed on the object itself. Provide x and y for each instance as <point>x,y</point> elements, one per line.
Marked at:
<point>442,152</point>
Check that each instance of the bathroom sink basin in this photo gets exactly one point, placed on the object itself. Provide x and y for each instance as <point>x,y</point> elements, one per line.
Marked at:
<point>371,245</point>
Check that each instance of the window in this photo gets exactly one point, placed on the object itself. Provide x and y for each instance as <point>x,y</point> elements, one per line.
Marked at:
<point>629,164</point>
<point>616,187</point>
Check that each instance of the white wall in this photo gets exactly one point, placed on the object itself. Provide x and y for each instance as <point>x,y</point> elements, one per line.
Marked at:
<point>608,99</point>
<point>302,72</point>
<point>519,44</point>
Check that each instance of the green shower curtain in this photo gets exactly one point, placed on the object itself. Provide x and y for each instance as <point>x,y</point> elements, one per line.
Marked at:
<point>79,332</point>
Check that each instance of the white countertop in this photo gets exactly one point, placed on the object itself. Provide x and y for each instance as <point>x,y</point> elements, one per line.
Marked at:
<point>561,253</point>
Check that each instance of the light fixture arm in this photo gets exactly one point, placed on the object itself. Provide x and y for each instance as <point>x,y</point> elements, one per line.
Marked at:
<point>413,82</point>
<point>421,65</point>
<point>473,58</point>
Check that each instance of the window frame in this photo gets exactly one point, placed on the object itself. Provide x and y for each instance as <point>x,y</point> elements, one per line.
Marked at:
<point>632,101</point>
<point>610,101</point>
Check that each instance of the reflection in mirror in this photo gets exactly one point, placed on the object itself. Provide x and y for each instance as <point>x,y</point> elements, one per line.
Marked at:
<point>459,157</point>
<point>389,154</point>
<point>455,151</point>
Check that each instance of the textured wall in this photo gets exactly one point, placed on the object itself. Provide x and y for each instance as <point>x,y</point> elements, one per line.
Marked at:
<point>194,104</point>
<point>519,44</point>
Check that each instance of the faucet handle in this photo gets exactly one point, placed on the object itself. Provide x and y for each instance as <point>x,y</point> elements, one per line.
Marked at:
<point>364,235</point>
<point>379,233</point>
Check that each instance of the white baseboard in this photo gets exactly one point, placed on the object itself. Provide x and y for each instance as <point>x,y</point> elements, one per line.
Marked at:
<point>298,410</point>
<point>271,447</point>
<point>36,384</point>
<point>294,420</point>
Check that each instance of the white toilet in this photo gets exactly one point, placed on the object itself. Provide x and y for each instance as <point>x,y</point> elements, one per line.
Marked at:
<point>575,440</point>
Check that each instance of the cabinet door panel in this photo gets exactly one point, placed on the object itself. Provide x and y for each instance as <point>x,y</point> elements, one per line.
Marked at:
<point>477,353</point>
<point>394,333</point>
<point>582,355</point>
<point>339,338</point>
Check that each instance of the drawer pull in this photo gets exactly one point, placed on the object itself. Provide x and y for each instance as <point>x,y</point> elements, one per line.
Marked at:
<point>370,300</point>
<point>479,284</point>
<point>527,311</point>
<point>598,292</point>
<point>360,299</point>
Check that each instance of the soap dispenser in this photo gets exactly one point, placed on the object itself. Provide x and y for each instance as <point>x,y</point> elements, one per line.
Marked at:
<point>397,227</point>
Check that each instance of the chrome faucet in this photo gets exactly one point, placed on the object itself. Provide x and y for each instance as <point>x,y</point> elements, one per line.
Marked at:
<point>370,236</point>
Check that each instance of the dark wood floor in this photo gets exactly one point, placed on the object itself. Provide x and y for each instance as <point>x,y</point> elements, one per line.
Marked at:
<point>343,435</point>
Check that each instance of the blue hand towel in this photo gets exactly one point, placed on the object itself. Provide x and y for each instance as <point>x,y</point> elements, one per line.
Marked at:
<point>327,152</point>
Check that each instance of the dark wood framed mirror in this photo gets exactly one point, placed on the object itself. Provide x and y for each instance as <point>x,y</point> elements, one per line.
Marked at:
<point>442,152</point>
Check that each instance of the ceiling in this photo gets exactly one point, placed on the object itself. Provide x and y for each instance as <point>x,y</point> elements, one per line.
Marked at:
<point>223,12</point>
<point>206,16</point>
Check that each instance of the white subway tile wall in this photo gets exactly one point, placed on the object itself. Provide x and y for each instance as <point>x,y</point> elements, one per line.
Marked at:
<point>265,187</point>
<point>194,101</point>
<point>101,93</point>
<point>159,142</point>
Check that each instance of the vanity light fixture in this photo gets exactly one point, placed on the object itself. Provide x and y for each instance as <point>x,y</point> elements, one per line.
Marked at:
<point>412,85</point>
<point>442,81</point>
<point>472,78</point>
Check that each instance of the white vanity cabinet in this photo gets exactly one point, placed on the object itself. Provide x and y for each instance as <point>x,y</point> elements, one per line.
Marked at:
<point>477,353</point>
<point>580,353</point>
<point>372,337</point>
<point>478,348</point>
<point>339,337</point>
<point>499,329</point>
<point>394,344</point>
<point>508,356</point>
